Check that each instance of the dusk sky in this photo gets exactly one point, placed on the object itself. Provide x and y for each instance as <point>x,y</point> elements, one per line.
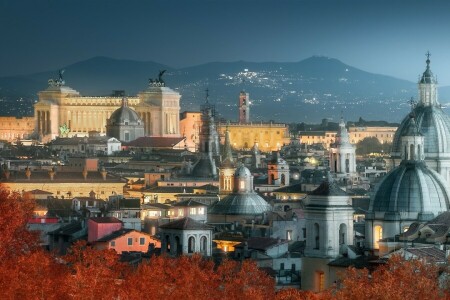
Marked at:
<point>385,37</point>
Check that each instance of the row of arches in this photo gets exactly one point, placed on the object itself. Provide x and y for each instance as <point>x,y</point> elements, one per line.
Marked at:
<point>175,246</point>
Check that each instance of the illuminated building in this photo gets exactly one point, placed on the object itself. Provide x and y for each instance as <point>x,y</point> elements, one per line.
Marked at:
<point>157,106</point>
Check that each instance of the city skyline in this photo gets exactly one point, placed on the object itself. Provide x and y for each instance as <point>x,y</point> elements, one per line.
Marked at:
<point>384,37</point>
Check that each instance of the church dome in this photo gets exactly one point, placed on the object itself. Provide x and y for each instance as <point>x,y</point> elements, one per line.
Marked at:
<point>242,171</point>
<point>411,188</point>
<point>124,115</point>
<point>433,124</point>
<point>240,204</point>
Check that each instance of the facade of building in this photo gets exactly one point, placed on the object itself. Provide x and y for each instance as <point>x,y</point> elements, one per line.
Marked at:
<point>186,237</point>
<point>158,107</point>
<point>268,136</point>
<point>329,230</point>
<point>13,128</point>
<point>190,125</point>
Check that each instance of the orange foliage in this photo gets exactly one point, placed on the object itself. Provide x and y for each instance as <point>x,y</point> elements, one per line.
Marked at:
<point>294,294</point>
<point>15,239</point>
<point>94,274</point>
<point>398,279</point>
<point>196,278</point>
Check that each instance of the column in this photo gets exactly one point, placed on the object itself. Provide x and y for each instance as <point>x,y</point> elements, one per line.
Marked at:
<point>48,122</point>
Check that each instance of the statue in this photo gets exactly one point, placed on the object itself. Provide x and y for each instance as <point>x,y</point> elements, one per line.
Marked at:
<point>159,82</point>
<point>64,130</point>
<point>57,82</point>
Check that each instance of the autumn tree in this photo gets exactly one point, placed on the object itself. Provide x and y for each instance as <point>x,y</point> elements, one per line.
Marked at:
<point>398,279</point>
<point>94,274</point>
<point>15,239</point>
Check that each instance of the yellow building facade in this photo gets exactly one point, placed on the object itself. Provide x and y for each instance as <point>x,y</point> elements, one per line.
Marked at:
<point>356,134</point>
<point>13,128</point>
<point>268,136</point>
<point>158,107</point>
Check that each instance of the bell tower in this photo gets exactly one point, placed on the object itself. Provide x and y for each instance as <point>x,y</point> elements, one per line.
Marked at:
<point>244,107</point>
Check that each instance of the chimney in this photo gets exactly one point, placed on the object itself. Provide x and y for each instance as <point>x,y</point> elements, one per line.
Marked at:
<point>28,173</point>
<point>85,173</point>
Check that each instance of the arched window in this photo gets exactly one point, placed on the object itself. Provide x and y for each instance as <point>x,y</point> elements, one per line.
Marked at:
<point>283,179</point>
<point>316,236</point>
<point>191,245</point>
<point>203,245</point>
<point>419,155</point>
<point>342,234</point>
<point>378,235</point>
<point>272,178</point>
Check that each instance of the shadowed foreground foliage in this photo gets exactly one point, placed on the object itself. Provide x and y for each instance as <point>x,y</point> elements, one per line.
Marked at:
<point>27,272</point>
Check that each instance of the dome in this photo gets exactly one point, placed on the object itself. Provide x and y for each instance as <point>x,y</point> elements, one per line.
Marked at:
<point>240,204</point>
<point>124,116</point>
<point>411,188</point>
<point>433,124</point>
<point>427,76</point>
<point>242,171</point>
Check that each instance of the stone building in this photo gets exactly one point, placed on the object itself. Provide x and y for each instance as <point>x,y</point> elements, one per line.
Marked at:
<point>157,106</point>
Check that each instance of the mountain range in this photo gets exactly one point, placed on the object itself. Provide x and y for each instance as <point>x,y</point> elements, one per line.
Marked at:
<point>305,91</point>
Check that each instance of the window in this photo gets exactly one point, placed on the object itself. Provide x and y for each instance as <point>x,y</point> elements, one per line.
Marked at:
<point>289,235</point>
<point>316,236</point>
<point>201,210</point>
<point>180,212</point>
<point>281,266</point>
<point>130,241</point>
<point>192,211</point>
<point>191,245</point>
<point>142,241</point>
<point>378,236</point>
<point>113,243</point>
<point>304,233</point>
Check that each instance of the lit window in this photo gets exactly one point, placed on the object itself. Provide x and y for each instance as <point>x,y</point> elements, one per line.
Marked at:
<point>192,211</point>
<point>289,235</point>
<point>201,210</point>
<point>378,236</point>
<point>180,212</point>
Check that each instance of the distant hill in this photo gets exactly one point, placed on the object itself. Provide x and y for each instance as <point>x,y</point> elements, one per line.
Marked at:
<point>305,91</point>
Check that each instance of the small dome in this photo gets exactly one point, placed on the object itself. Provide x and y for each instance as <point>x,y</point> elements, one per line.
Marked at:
<point>427,76</point>
<point>411,187</point>
<point>124,116</point>
<point>242,171</point>
<point>240,204</point>
<point>433,124</point>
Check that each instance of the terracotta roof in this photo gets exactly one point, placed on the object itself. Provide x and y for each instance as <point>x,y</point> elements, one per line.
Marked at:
<point>261,243</point>
<point>431,254</point>
<point>105,220</point>
<point>186,224</point>
<point>155,142</point>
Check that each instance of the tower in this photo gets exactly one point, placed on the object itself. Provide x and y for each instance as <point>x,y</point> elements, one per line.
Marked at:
<point>342,153</point>
<point>209,143</point>
<point>329,230</point>
<point>278,170</point>
<point>227,167</point>
<point>244,107</point>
